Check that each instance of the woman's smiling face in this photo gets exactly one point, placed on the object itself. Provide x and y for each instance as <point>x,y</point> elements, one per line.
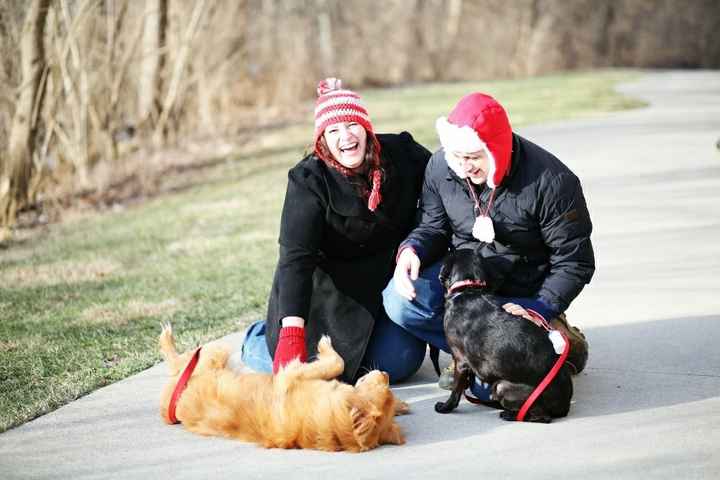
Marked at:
<point>346,142</point>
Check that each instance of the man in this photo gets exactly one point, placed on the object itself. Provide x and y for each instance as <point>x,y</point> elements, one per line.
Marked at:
<point>488,184</point>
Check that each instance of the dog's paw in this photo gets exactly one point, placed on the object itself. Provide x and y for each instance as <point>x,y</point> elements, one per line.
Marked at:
<point>508,416</point>
<point>401,408</point>
<point>166,335</point>
<point>166,328</point>
<point>511,416</point>
<point>538,419</point>
<point>444,407</point>
<point>325,344</point>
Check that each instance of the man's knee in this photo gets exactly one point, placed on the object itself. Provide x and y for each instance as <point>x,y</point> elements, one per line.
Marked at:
<point>398,308</point>
<point>408,313</point>
<point>393,302</point>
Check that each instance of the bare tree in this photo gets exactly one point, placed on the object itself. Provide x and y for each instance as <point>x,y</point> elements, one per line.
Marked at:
<point>153,60</point>
<point>325,37</point>
<point>81,115</point>
<point>181,62</point>
<point>16,173</point>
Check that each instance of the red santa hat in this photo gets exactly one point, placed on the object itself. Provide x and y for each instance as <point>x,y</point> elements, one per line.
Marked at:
<point>478,123</point>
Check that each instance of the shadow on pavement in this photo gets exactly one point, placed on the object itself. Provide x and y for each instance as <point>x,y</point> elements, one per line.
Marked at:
<point>632,367</point>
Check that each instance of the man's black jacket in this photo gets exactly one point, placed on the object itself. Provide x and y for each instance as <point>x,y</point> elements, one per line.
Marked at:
<point>542,225</point>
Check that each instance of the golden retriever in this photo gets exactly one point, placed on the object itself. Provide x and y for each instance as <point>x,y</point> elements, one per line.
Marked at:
<point>299,407</point>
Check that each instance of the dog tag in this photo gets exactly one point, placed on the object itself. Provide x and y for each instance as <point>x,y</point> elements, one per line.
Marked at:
<point>557,340</point>
<point>483,229</point>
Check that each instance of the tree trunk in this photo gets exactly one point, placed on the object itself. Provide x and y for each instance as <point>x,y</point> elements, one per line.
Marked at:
<point>325,38</point>
<point>153,60</point>
<point>16,173</point>
<point>181,61</point>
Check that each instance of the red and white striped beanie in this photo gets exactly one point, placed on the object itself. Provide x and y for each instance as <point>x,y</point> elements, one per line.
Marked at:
<point>334,105</point>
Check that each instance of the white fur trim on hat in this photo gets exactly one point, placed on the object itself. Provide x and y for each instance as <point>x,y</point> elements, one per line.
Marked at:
<point>458,139</point>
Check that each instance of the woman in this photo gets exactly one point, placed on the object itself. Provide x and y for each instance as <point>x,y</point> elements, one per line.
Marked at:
<point>347,207</point>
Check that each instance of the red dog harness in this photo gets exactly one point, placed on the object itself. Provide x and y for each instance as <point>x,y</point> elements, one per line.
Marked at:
<point>182,383</point>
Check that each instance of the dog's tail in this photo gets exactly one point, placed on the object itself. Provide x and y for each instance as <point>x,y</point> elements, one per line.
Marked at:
<point>435,358</point>
<point>168,350</point>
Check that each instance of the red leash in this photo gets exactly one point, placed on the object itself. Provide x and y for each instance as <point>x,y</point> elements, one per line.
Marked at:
<point>551,374</point>
<point>182,383</point>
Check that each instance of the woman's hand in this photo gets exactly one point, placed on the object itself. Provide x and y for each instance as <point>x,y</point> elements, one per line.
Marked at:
<point>406,271</point>
<point>291,343</point>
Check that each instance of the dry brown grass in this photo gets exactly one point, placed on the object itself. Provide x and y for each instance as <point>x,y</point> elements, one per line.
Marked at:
<point>134,310</point>
<point>64,272</point>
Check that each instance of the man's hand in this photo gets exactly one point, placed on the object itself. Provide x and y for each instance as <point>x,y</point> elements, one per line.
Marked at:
<point>516,309</point>
<point>406,272</point>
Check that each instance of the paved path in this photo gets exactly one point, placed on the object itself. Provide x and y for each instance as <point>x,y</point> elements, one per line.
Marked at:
<point>647,406</point>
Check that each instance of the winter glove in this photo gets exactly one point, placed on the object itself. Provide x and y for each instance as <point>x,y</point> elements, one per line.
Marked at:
<point>291,345</point>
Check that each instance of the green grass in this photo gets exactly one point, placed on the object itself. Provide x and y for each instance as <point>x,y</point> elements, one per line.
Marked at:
<point>81,304</point>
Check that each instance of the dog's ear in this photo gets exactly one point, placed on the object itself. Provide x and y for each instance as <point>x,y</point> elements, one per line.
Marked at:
<point>493,262</point>
<point>446,268</point>
<point>392,435</point>
<point>364,417</point>
<point>478,263</point>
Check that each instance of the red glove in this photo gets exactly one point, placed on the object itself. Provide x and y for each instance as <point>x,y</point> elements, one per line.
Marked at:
<point>291,345</point>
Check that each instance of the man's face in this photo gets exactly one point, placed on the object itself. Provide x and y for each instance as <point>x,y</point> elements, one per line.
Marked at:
<point>475,165</point>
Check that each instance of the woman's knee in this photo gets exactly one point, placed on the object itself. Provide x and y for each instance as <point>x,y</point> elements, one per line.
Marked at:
<point>255,354</point>
<point>394,350</point>
<point>408,363</point>
<point>399,364</point>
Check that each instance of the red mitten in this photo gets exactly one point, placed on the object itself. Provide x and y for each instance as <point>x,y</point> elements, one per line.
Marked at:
<point>291,345</point>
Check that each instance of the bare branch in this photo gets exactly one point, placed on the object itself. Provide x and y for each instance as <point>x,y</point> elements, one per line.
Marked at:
<point>179,68</point>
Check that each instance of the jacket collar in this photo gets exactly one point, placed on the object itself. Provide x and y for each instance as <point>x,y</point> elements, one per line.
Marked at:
<point>514,159</point>
<point>342,197</point>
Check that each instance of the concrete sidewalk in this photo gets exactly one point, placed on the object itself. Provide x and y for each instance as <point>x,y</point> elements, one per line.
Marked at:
<point>647,406</point>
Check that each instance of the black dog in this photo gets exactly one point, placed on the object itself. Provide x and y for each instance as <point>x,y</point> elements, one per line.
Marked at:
<point>505,350</point>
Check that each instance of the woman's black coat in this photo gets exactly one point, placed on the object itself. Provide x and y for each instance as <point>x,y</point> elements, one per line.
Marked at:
<point>336,256</point>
